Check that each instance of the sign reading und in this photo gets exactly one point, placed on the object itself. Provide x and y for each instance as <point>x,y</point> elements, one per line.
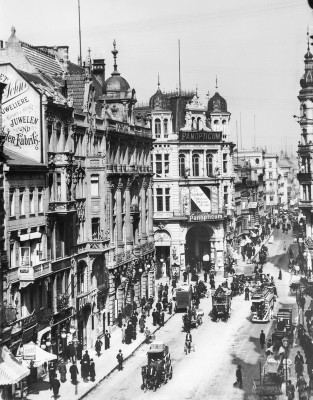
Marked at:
<point>200,136</point>
<point>21,114</point>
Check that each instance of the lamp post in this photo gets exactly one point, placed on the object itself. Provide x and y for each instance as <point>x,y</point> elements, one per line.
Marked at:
<point>285,342</point>
<point>75,343</point>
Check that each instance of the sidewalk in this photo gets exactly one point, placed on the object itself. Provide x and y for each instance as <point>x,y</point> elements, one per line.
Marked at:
<point>104,365</point>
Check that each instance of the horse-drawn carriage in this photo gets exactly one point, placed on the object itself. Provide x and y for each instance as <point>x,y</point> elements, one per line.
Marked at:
<point>269,386</point>
<point>221,303</point>
<point>159,368</point>
<point>192,319</point>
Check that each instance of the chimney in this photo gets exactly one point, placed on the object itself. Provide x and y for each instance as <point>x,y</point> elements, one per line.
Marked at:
<point>98,69</point>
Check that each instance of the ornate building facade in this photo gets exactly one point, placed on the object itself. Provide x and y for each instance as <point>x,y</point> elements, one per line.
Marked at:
<point>78,191</point>
<point>193,184</point>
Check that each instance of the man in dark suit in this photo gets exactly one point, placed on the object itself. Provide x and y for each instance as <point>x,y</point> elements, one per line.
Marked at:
<point>154,317</point>
<point>262,339</point>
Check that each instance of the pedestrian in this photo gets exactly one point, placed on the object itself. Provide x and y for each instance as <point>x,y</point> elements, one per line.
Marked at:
<point>98,346</point>
<point>55,386</point>
<point>164,301</point>
<point>84,370</point>
<point>71,351</point>
<point>247,291</point>
<point>62,371</point>
<point>262,339</point>
<point>147,335</point>
<point>120,360</point>
<point>123,333</point>
<point>159,306</point>
<point>74,373</point>
<point>142,323</point>
<point>79,351</point>
<point>120,319</point>
<point>86,357</point>
<point>51,372</point>
<point>154,317</point>
<point>302,387</point>
<point>166,288</point>
<point>299,361</point>
<point>92,370</point>
<point>170,307</point>
<point>290,390</point>
<point>280,274</point>
<point>238,382</point>
<point>205,277</point>
<point>107,337</point>
<point>269,343</point>
<point>148,308</point>
<point>142,303</point>
<point>162,317</point>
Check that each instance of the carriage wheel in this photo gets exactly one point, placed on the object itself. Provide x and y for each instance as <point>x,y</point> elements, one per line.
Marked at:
<point>171,373</point>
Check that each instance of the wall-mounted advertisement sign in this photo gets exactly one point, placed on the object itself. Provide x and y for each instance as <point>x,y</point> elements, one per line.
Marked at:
<point>200,136</point>
<point>21,114</point>
<point>204,216</point>
<point>201,200</point>
<point>29,351</point>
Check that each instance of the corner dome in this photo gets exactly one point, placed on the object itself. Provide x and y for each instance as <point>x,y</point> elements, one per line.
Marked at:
<point>217,104</point>
<point>115,83</point>
<point>158,101</point>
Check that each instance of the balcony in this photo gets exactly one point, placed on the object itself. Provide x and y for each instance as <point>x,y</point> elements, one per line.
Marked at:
<point>59,159</point>
<point>122,127</point>
<point>127,169</point>
<point>42,269</point>
<point>305,176</point>
<point>63,302</point>
<point>95,246</point>
<point>307,204</point>
<point>26,274</point>
<point>62,207</point>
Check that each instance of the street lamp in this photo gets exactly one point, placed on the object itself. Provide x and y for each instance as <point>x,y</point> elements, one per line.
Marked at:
<point>75,343</point>
<point>285,342</point>
<point>63,336</point>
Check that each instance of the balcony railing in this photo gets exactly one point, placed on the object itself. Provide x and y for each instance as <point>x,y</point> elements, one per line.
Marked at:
<point>305,176</point>
<point>306,204</point>
<point>62,207</point>
<point>134,209</point>
<point>63,302</point>
<point>26,273</point>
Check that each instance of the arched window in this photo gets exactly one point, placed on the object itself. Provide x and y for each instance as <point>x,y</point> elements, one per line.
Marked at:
<point>81,277</point>
<point>209,164</point>
<point>195,165</point>
<point>157,128</point>
<point>199,124</point>
<point>182,165</point>
<point>194,123</point>
<point>165,127</point>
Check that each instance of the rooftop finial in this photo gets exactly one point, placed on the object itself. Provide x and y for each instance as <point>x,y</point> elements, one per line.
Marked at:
<point>196,89</point>
<point>114,52</point>
<point>308,38</point>
<point>158,81</point>
<point>216,86</point>
<point>88,56</point>
<point>13,30</point>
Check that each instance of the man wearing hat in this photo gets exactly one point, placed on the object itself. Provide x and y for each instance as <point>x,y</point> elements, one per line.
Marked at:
<point>239,377</point>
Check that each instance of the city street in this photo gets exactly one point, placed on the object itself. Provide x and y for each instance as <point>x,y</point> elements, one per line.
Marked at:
<point>209,372</point>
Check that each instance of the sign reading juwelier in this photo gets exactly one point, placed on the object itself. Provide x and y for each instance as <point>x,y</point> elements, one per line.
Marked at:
<point>21,121</point>
<point>202,136</point>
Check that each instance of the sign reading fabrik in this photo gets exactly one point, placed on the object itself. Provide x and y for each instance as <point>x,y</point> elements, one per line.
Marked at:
<point>21,121</point>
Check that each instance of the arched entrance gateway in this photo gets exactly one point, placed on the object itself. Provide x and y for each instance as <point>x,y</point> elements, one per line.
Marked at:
<point>162,242</point>
<point>200,246</point>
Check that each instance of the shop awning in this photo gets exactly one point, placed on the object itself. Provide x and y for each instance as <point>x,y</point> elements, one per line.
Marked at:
<point>41,333</point>
<point>42,356</point>
<point>11,371</point>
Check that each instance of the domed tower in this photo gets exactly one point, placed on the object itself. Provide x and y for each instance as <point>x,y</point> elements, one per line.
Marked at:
<point>118,97</point>
<point>305,147</point>
<point>218,115</point>
<point>161,115</point>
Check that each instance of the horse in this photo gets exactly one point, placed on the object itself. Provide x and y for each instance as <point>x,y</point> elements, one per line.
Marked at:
<point>144,375</point>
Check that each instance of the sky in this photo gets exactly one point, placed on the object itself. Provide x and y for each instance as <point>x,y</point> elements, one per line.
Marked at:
<point>255,48</point>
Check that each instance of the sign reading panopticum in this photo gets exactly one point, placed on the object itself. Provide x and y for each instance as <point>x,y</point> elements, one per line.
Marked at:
<point>202,136</point>
<point>21,122</point>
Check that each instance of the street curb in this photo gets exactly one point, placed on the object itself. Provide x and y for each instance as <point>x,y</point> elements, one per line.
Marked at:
<point>115,368</point>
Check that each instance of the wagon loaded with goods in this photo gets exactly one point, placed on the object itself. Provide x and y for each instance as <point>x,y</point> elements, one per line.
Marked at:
<point>268,387</point>
<point>221,303</point>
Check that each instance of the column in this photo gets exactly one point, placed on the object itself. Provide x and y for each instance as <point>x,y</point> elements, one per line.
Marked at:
<point>119,216</point>
<point>150,210</point>
<point>301,192</point>
<point>143,210</point>
<point>128,224</point>
<point>109,209</point>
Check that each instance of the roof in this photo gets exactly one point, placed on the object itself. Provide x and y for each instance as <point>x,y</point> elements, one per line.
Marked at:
<point>42,60</point>
<point>217,103</point>
<point>11,371</point>
<point>14,159</point>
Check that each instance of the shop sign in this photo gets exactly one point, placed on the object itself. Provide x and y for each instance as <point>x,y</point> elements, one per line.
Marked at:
<point>29,321</point>
<point>60,316</point>
<point>200,217</point>
<point>86,300</point>
<point>201,136</point>
<point>21,114</point>
<point>29,351</point>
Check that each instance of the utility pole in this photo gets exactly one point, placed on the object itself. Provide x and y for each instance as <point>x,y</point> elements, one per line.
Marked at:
<point>179,83</point>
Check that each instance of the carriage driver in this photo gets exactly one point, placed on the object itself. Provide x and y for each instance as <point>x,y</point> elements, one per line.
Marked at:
<point>188,337</point>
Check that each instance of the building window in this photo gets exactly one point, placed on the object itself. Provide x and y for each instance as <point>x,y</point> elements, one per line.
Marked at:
<point>195,165</point>
<point>271,198</point>
<point>257,161</point>
<point>165,127</point>
<point>225,163</point>
<point>209,164</point>
<point>162,165</point>
<point>24,256</point>
<point>12,255</point>
<point>225,195</point>
<point>163,199</point>
<point>94,185</point>
<point>22,202</point>
<point>31,201</point>
<point>40,200</point>
<point>270,175</point>
<point>270,164</point>
<point>182,165</point>
<point>157,128</point>
<point>12,203</point>
<point>286,175</point>
<point>95,228</point>
<point>59,188</point>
